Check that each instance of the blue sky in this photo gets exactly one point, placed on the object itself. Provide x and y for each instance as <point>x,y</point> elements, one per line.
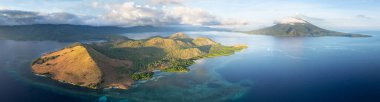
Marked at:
<point>240,14</point>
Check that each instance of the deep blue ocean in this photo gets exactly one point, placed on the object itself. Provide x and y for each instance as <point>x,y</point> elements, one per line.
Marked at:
<point>272,69</point>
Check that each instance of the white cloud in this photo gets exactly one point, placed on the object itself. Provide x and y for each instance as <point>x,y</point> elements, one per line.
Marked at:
<point>363,17</point>
<point>167,2</point>
<point>308,18</point>
<point>193,16</point>
<point>15,17</point>
<point>233,22</point>
<point>130,14</point>
<point>59,18</point>
<point>123,14</point>
<point>2,8</point>
<point>95,4</point>
<point>260,13</point>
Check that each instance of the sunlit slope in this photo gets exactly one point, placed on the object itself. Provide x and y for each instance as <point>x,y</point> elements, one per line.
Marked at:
<point>177,45</point>
<point>79,67</point>
<point>83,66</point>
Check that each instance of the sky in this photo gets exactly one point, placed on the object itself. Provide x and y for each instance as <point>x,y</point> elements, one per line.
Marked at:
<point>236,14</point>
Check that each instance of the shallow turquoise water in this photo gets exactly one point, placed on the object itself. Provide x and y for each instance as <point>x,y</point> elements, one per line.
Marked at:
<point>271,69</point>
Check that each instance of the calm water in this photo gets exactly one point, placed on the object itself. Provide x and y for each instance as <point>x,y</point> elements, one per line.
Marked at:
<point>323,69</point>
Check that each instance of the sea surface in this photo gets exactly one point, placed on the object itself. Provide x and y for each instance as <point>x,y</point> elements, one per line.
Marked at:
<point>272,69</point>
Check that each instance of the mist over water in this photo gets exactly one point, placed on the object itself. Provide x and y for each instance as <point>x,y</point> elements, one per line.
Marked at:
<point>272,69</point>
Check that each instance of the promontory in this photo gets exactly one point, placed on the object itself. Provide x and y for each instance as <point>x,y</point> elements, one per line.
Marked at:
<point>117,64</point>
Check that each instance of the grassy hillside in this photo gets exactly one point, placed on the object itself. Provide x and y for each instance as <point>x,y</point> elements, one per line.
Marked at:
<point>78,68</point>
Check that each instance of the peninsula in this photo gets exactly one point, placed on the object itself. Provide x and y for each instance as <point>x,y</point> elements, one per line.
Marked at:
<point>117,64</point>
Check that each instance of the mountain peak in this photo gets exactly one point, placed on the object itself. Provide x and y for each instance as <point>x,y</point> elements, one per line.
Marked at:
<point>291,21</point>
<point>82,65</point>
<point>297,27</point>
<point>178,35</point>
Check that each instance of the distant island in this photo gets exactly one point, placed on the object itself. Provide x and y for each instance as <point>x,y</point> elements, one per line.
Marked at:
<point>70,33</point>
<point>297,27</point>
<point>117,64</point>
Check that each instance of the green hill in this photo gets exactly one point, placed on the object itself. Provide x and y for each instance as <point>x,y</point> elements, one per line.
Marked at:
<point>118,63</point>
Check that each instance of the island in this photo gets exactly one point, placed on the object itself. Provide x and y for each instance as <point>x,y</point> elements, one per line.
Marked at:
<point>118,64</point>
<point>73,33</point>
<point>298,27</point>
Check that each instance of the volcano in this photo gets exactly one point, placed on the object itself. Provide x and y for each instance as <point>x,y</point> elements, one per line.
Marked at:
<point>298,27</point>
